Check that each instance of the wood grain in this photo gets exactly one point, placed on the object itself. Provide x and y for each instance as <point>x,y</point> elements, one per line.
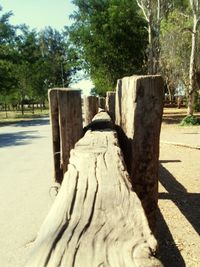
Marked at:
<point>96,219</point>
<point>139,108</point>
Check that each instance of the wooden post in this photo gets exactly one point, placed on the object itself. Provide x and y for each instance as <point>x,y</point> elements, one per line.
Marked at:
<point>70,120</point>
<point>66,121</point>
<point>90,108</point>
<point>140,100</point>
<point>102,102</point>
<point>96,219</point>
<point>110,104</point>
<point>54,116</point>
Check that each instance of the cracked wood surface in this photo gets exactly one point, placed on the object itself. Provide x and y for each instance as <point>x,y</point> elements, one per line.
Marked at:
<point>96,219</point>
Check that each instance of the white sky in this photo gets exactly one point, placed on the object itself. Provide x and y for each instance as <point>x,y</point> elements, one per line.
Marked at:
<point>41,13</point>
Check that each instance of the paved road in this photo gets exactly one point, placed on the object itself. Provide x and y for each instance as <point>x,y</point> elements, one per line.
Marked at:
<point>25,179</point>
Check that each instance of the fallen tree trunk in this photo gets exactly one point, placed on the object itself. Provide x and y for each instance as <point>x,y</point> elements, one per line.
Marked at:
<point>96,219</point>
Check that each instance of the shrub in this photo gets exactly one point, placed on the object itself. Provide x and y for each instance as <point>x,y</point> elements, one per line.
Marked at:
<point>189,121</point>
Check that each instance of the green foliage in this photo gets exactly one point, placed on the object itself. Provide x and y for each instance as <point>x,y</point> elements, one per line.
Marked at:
<point>175,42</point>
<point>31,62</point>
<point>197,102</point>
<point>189,121</point>
<point>109,39</point>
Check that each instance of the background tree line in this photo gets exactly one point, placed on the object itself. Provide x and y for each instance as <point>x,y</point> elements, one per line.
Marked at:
<point>108,40</point>
<point>30,63</point>
<point>115,38</point>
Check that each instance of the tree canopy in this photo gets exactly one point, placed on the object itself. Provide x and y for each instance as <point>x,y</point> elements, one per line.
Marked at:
<point>31,62</point>
<point>109,39</point>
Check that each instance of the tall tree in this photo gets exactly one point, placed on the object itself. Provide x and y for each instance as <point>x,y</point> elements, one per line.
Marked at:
<point>109,39</point>
<point>175,49</point>
<point>154,11</point>
<point>54,52</point>
<point>193,68</point>
<point>7,56</point>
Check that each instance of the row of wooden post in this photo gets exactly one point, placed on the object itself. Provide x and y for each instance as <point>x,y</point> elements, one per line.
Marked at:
<point>136,108</point>
<point>67,121</point>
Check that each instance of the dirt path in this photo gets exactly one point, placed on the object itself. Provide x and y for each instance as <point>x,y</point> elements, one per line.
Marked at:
<point>179,198</point>
<point>179,193</point>
<point>25,178</point>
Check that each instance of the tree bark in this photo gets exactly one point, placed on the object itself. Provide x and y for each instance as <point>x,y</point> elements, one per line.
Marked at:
<point>90,108</point>
<point>96,219</point>
<point>150,48</point>
<point>192,71</point>
<point>140,100</point>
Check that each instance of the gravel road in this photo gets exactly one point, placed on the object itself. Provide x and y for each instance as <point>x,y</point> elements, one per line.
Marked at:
<point>25,179</point>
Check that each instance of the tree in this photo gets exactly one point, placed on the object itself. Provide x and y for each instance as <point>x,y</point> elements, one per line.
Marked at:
<point>55,56</point>
<point>109,39</point>
<point>28,55</point>
<point>175,49</point>
<point>192,88</point>
<point>7,57</point>
<point>154,12</point>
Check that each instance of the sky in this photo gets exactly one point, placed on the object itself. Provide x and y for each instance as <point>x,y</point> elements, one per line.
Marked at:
<point>39,14</point>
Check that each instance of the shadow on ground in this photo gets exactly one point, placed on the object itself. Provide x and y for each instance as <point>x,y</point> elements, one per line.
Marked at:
<point>26,123</point>
<point>17,138</point>
<point>188,204</point>
<point>172,119</point>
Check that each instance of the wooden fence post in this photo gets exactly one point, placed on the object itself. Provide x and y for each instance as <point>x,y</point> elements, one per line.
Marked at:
<point>110,104</point>
<point>54,117</point>
<point>102,102</point>
<point>90,108</point>
<point>70,120</point>
<point>139,113</point>
<point>66,120</point>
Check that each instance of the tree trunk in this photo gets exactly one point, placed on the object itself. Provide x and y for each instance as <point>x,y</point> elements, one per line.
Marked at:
<point>90,108</point>
<point>140,99</point>
<point>22,107</point>
<point>192,82</point>
<point>96,219</point>
<point>150,48</point>
<point>6,110</point>
<point>33,108</point>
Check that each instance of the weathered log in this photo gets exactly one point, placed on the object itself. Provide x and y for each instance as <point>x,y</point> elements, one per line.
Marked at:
<point>90,108</point>
<point>110,104</point>
<point>54,117</point>
<point>96,219</point>
<point>102,102</point>
<point>139,107</point>
<point>70,121</point>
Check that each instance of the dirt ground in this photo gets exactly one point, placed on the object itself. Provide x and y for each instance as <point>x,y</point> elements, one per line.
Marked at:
<point>179,193</point>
